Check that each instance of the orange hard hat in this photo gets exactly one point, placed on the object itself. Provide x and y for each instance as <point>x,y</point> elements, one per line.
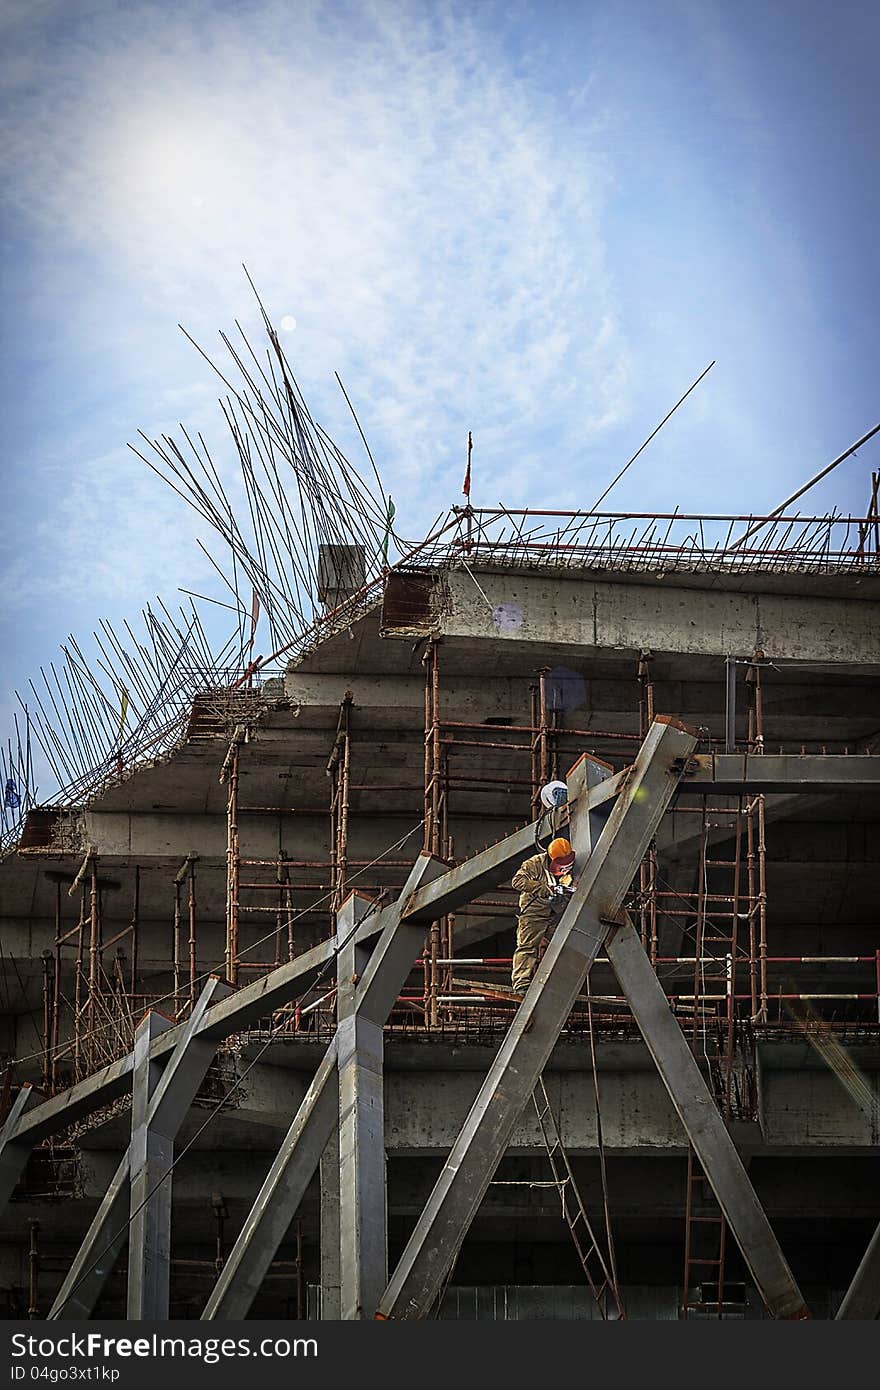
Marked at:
<point>561,856</point>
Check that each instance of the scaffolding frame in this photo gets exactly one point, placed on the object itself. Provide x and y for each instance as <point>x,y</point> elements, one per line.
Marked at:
<point>612,822</point>
<point>108,996</point>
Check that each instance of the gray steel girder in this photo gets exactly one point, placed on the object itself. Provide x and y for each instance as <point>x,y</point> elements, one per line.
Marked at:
<point>475,1155</point>
<point>363,1221</point>
<point>703,1124</point>
<point>15,1151</point>
<point>298,1157</point>
<point>171,1094</point>
<point>732,773</point>
<point>260,998</point>
<point>862,1298</point>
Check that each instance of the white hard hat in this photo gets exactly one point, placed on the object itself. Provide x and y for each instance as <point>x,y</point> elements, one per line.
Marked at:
<point>553,795</point>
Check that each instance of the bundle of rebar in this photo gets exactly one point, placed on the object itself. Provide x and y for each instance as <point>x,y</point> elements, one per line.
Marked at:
<point>92,716</point>
<point>307,510</point>
<point>301,494</point>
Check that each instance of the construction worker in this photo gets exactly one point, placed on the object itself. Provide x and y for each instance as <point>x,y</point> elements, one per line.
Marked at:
<point>544,882</point>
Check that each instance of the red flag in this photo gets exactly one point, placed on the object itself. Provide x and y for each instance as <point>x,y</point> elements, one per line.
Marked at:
<point>466,485</point>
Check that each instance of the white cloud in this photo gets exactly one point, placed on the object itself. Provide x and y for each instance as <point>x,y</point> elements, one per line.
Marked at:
<point>416,207</point>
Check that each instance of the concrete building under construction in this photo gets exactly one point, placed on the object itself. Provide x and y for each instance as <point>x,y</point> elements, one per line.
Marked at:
<point>262,1058</point>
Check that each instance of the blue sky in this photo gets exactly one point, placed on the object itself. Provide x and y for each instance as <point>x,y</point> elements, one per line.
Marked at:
<point>539,222</point>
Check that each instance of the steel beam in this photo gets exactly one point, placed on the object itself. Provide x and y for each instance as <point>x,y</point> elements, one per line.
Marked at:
<point>15,1151</point>
<point>108,1232</point>
<point>277,1200</point>
<point>862,1298</point>
<point>499,862</point>
<point>329,1179</point>
<point>150,1159</point>
<point>171,1095</point>
<point>230,1015</point>
<point>71,1105</point>
<point>732,773</point>
<point>703,1124</point>
<point>296,1161</point>
<point>263,996</point>
<point>363,1227</point>
<point>363,1223</point>
<point>155,1121</point>
<point>96,1257</point>
<point>475,1155</point>
<point>385,972</point>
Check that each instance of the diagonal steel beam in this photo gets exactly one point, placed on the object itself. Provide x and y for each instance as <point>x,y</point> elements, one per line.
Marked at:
<point>297,1159</point>
<point>385,972</point>
<point>15,1151</point>
<point>263,996</point>
<point>862,1298</point>
<point>496,864</point>
<point>539,1020</point>
<point>724,773</point>
<point>171,1095</point>
<point>703,1124</point>
<point>277,1200</point>
<point>96,1257</point>
<point>229,1015</point>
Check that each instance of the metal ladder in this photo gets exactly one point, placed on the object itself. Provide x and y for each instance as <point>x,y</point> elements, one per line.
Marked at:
<point>705,1243</point>
<point>589,1252</point>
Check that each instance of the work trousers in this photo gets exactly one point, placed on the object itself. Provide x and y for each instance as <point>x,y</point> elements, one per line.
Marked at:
<point>531,929</point>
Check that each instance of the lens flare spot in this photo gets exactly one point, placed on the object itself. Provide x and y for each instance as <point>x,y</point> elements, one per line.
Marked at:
<point>507,617</point>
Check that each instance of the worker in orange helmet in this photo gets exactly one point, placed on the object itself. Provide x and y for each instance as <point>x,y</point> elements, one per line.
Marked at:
<point>544,882</point>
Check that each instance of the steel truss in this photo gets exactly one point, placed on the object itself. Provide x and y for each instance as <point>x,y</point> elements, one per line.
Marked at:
<point>612,822</point>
